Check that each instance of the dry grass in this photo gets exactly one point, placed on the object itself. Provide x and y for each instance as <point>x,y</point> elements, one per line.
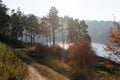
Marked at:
<point>59,66</point>
<point>46,72</point>
<point>49,73</point>
<point>34,75</point>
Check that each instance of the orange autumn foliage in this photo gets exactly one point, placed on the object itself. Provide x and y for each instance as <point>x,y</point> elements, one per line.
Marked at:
<point>82,60</point>
<point>108,48</point>
<point>110,67</point>
<point>82,54</point>
<point>114,37</point>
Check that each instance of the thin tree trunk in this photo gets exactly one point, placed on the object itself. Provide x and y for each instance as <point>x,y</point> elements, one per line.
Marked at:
<point>50,39</point>
<point>26,37</point>
<point>63,39</point>
<point>31,38</point>
<point>53,31</point>
<point>47,40</point>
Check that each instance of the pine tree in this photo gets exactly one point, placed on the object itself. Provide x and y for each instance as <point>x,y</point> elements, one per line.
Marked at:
<point>77,31</point>
<point>45,28</point>
<point>4,18</point>
<point>54,21</point>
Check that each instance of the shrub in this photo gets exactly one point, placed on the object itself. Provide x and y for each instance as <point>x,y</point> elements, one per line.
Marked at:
<point>82,59</point>
<point>56,51</point>
<point>11,41</point>
<point>109,67</point>
<point>55,57</point>
<point>11,68</point>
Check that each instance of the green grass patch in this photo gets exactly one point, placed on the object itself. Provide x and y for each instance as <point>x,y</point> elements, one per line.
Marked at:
<point>11,67</point>
<point>102,72</point>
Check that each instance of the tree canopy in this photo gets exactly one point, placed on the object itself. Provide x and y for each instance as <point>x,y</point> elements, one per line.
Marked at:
<point>77,30</point>
<point>18,25</point>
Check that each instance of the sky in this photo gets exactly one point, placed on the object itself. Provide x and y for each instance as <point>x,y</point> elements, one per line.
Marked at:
<point>80,9</point>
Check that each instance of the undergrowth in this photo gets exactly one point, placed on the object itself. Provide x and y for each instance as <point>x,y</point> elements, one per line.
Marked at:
<point>11,67</point>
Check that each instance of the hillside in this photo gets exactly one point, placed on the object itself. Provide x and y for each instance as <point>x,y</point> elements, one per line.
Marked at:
<point>37,71</point>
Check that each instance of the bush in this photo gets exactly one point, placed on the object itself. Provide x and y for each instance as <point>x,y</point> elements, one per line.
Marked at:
<point>56,51</point>
<point>11,41</point>
<point>82,59</point>
<point>11,68</point>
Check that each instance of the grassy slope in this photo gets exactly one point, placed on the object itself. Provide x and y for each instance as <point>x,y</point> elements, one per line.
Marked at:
<point>50,74</point>
<point>44,70</point>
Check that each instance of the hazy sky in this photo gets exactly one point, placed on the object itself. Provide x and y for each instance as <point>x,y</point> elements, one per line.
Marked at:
<point>81,9</point>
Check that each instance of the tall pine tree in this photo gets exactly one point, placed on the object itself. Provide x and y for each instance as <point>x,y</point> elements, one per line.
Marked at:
<point>54,21</point>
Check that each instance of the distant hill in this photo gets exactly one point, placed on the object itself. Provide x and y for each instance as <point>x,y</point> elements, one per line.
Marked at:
<point>99,30</point>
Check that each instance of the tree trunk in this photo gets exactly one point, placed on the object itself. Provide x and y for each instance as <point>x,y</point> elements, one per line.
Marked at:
<point>31,38</point>
<point>26,37</point>
<point>53,31</point>
<point>50,39</point>
<point>47,40</point>
<point>63,40</point>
